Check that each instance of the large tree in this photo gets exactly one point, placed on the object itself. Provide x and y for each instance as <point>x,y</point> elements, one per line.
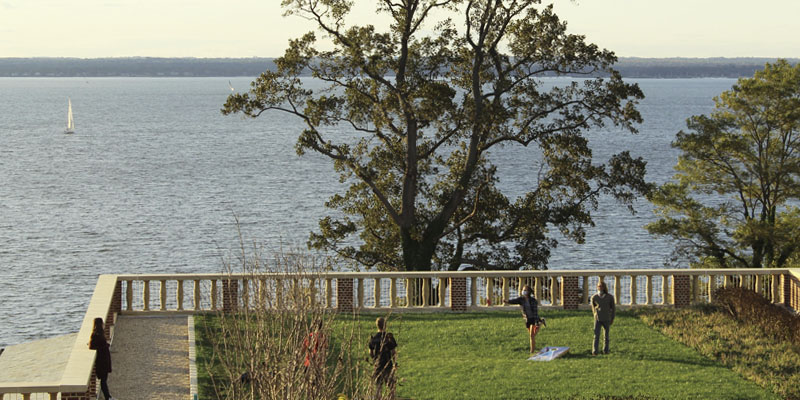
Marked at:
<point>423,102</point>
<point>732,201</point>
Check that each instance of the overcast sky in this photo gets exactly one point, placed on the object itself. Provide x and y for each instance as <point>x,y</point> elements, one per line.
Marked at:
<point>256,28</point>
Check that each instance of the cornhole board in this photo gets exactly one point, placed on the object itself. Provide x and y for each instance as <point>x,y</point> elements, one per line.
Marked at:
<point>549,353</point>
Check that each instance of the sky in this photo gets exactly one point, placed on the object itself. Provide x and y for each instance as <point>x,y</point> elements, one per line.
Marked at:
<point>257,28</point>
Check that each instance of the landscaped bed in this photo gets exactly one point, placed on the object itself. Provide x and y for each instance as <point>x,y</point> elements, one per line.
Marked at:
<point>484,355</point>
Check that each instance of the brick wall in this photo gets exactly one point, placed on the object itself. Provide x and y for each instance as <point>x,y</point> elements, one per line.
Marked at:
<point>75,396</point>
<point>114,309</point>
<point>458,294</point>
<point>681,290</point>
<point>344,294</point>
<point>570,293</point>
<point>230,295</point>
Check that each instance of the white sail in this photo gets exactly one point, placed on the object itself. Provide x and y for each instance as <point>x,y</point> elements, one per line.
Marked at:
<point>70,122</point>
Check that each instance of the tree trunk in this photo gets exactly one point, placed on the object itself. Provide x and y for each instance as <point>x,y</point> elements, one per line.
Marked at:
<point>417,255</point>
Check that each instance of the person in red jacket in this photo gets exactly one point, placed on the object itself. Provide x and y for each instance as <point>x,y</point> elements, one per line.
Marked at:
<point>315,346</point>
<point>102,364</point>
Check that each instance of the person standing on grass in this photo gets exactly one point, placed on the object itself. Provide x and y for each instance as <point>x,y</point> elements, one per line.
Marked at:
<point>530,311</point>
<point>102,364</point>
<point>382,349</point>
<point>603,309</point>
<point>315,346</point>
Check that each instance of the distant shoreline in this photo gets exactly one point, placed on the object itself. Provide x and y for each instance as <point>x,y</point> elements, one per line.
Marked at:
<point>629,67</point>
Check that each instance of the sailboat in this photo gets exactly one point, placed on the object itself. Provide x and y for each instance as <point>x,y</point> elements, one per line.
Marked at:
<point>70,122</point>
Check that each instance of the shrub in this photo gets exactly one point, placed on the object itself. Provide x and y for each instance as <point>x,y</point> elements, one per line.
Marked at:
<point>283,344</point>
<point>749,307</point>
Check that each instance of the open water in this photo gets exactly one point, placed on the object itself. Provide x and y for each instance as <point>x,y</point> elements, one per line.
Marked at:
<point>154,175</point>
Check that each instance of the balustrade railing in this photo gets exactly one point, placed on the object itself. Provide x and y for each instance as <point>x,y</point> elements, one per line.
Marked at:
<point>432,291</point>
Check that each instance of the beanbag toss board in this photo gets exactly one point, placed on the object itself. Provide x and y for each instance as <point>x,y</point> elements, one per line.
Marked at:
<point>549,354</point>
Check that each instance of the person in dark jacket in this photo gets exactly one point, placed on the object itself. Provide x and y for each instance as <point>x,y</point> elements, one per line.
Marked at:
<point>604,311</point>
<point>530,311</point>
<point>102,364</point>
<point>382,349</point>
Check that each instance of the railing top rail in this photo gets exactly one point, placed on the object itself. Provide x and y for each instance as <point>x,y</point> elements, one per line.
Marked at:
<point>441,274</point>
<point>79,367</point>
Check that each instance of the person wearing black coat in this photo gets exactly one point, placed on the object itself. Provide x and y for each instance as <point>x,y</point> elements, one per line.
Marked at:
<point>102,364</point>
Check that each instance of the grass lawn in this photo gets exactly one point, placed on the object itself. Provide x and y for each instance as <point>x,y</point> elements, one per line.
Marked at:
<point>483,356</point>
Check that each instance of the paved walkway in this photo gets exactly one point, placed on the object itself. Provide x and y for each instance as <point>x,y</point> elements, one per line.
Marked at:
<point>150,358</point>
<point>38,361</point>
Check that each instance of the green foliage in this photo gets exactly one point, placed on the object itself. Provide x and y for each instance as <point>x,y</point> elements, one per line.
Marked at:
<point>411,112</point>
<point>483,355</point>
<point>749,307</point>
<point>741,345</point>
<point>746,153</point>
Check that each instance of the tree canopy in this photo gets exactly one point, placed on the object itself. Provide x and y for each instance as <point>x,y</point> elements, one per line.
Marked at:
<point>733,200</point>
<point>424,101</point>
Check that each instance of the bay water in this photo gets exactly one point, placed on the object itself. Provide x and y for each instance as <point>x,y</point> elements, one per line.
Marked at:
<point>155,177</point>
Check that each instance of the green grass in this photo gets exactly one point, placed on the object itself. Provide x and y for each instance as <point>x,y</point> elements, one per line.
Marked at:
<point>743,347</point>
<point>484,356</point>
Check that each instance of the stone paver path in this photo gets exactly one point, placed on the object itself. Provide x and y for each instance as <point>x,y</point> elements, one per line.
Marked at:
<point>150,358</point>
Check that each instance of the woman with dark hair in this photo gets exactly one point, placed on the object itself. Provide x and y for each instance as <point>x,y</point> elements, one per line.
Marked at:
<point>102,364</point>
<point>530,311</point>
<point>603,310</point>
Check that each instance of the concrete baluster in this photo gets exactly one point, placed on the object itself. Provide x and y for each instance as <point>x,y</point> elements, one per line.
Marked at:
<point>442,287</point>
<point>196,295</point>
<point>279,293</point>
<point>664,289</point>
<point>426,291</point>
<point>392,292</point>
<point>712,286</point>
<point>129,295</point>
<point>214,294</point>
<point>557,300</point>
<point>776,288</point>
<point>146,295</point>
<point>505,290</point>
<point>377,292</point>
<point>648,296</point>
<point>163,294</point>
<point>409,282</point>
<point>537,287</point>
<point>633,290</point>
<point>473,291</point>
<point>328,293</point>
<point>180,295</point>
<point>262,293</point>
<point>245,293</point>
<point>489,290</point>
<point>360,294</point>
<point>312,291</point>
<point>757,285</point>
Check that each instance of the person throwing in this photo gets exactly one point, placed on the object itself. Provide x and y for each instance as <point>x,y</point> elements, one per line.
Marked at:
<point>530,311</point>
<point>603,310</point>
